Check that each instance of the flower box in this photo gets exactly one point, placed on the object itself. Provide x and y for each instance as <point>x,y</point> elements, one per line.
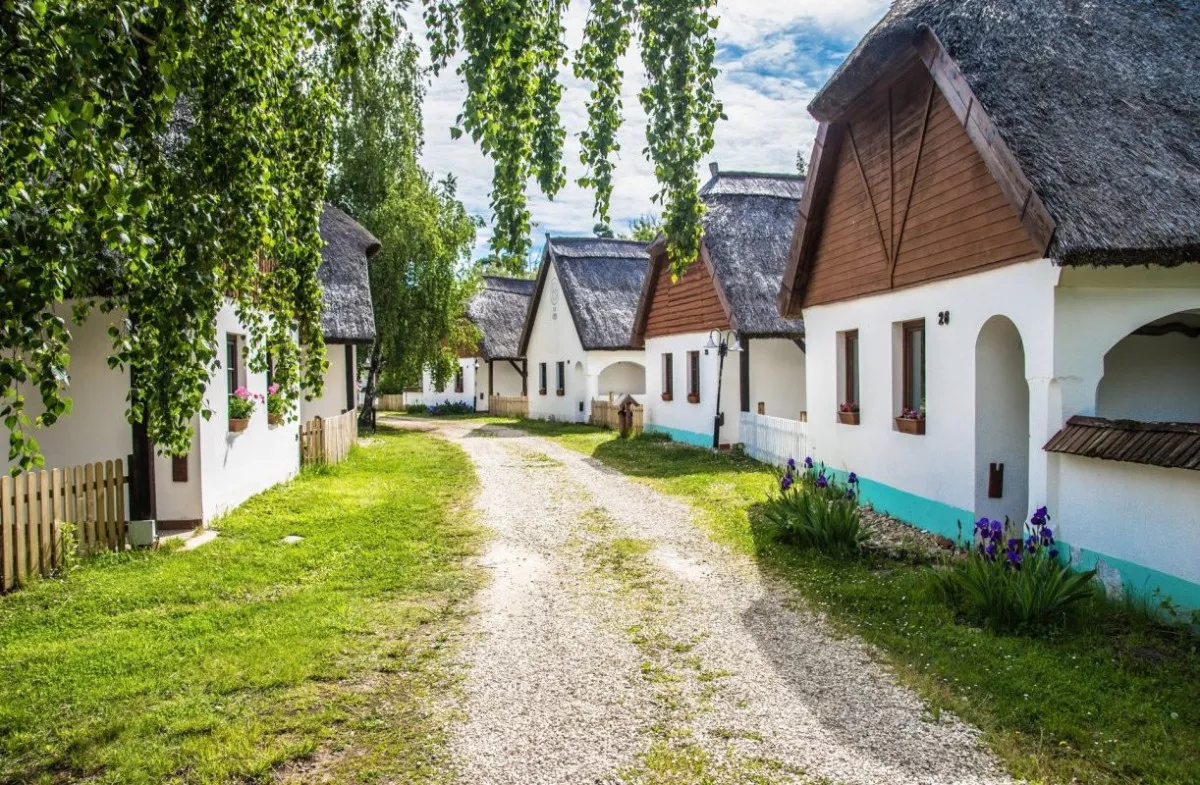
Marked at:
<point>911,425</point>
<point>238,424</point>
<point>560,392</point>
<point>275,419</point>
<point>848,418</point>
<point>693,398</point>
<point>668,397</point>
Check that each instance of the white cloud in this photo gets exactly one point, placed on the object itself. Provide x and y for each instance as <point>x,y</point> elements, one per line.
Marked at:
<point>774,55</point>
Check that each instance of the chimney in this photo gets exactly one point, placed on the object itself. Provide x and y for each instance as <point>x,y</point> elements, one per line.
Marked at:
<point>713,169</point>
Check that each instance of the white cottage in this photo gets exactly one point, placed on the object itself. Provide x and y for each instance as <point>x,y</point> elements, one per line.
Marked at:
<point>748,226</point>
<point>577,338</point>
<point>498,311</point>
<point>1000,233</point>
<point>347,314</point>
<point>223,468</point>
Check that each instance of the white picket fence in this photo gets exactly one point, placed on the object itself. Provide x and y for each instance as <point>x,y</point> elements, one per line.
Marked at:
<point>773,439</point>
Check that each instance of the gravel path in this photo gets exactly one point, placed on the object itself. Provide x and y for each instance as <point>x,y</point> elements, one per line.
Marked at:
<point>616,643</point>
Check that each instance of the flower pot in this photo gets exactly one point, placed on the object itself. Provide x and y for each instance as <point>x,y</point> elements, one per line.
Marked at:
<point>668,397</point>
<point>693,398</point>
<point>848,418</point>
<point>910,425</point>
<point>275,419</point>
<point>238,425</point>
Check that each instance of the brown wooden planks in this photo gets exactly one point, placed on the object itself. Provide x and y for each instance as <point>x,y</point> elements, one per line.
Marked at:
<point>8,559</point>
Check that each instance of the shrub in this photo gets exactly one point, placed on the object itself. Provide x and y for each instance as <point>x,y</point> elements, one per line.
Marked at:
<point>456,407</point>
<point>813,511</point>
<point>1013,582</point>
<point>416,408</point>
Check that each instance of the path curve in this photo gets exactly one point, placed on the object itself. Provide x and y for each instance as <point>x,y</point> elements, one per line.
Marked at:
<point>617,643</point>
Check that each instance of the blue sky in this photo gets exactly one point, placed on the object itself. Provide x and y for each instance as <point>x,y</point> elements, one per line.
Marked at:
<point>773,56</point>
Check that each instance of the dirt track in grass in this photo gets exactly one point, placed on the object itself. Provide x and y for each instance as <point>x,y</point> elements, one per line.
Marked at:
<point>616,643</point>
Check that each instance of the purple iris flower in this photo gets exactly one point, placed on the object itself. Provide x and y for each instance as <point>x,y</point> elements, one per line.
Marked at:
<point>982,524</point>
<point>808,464</point>
<point>791,464</point>
<point>1054,553</point>
<point>1031,543</point>
<point>785,483</point>
<point>850,494</point>
<point>1014,558</point>
<point>990,550</point>
<point>997,527</point>
<point>821,481</point>
<point>852,479</point>
<point>1041,512</point>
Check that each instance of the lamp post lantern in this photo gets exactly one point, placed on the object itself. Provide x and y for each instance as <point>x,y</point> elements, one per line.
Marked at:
<point>724,343</point>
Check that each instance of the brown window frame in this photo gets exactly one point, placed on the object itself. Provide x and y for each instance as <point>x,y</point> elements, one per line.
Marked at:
<point>542,378</point>
<point>907,330</point>
<point>693,369</point>
<point>668,376</point>
<point>458,380</point>
<point>560,378</point>
<point>850,339</point>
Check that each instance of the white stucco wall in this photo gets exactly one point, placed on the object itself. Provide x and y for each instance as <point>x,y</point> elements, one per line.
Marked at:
<point>684,421</point>
<point>777,377</point>
<point>939,466</point>
<point>505,377</point>
<point>1167,364</point>
<point>553,338</point>
<point>96,428</point>
<point>236,466</point>
<point>434,395</point>
<point>1142,514</point>
<point>332,400</point>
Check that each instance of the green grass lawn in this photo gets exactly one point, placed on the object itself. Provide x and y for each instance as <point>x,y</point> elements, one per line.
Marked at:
<point>1113,699</point>
<point>249,659</point>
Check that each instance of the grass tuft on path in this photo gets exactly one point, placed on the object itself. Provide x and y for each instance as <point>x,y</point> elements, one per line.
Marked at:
<point>1113,700</point>
<point>250,660</point>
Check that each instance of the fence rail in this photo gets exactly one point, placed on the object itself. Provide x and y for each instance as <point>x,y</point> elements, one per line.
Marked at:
<point>35,506</point>
<point>608,414</point>
<point>390,403</point>
<point>508,406</point>
<point>328,440</point>
<point>773,439</point>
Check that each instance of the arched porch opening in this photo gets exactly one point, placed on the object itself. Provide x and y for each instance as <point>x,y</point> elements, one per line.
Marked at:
<point>1153,373</point>
<point>623,378</point>
<point>1001,422</point>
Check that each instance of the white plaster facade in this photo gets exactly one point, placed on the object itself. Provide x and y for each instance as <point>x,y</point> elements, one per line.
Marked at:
<point>1024,350</point>
<point>333,398</point>
<point>553,338</point>
<point>432,394</point>
<point>777,381</point>
<point>224,468</point>
<point>504,375</point>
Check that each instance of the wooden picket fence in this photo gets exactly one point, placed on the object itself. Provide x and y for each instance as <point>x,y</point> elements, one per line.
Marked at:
<point>508,406</point>
<point>773,439</point>
<point>35,506</point>
<point>328,440</point>
<point>608,414</point>
<point>390,403</point>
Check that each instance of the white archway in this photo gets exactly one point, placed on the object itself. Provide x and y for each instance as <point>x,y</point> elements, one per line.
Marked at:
<point>1001,422</point>
<point>624,377</point>
<point>1153,373</point>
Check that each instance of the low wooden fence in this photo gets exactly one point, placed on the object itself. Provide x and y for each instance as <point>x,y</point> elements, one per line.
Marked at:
<point>391,403</point>
<point>328,440</point>
<point>608,414</point>
<point>35,506</point>
<point>508,406</point>
<point>773,439</point>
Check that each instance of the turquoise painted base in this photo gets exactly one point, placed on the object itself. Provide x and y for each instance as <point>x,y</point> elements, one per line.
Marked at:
<point>943,519</point>
<point>682,436</point>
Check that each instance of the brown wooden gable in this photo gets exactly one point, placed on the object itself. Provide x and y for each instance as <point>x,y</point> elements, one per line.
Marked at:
<point>912,185</point>
<point>691,304</point>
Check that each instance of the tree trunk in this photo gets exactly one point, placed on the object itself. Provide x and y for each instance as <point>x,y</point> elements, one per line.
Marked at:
<point>367,415</point>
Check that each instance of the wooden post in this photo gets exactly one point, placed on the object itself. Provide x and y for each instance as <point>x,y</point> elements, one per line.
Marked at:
<point>89,490</point>
<point>47,554</point>
<point>119,489</point>
<point>7,559</point>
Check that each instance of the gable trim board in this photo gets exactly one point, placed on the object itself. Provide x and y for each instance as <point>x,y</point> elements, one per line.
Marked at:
<point>947,90</point>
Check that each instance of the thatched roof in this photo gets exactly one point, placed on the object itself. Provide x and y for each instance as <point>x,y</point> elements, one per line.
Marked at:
<point>1098,100</point>
<point>748,227</point>
<point>498,311</point>
<point>601,282</point>
<point>347,315</point>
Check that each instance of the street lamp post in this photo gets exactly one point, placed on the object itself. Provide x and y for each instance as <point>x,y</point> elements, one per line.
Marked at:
<point>724,343</point>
